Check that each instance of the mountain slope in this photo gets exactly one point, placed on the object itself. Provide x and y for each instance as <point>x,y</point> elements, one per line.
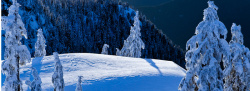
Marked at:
<point>84,26</point>
<point>107,73</point>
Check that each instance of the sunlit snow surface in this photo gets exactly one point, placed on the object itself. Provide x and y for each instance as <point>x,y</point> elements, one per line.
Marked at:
<point>107,73</point>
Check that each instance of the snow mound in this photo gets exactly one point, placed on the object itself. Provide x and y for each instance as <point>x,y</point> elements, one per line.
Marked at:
<point>106,73</point>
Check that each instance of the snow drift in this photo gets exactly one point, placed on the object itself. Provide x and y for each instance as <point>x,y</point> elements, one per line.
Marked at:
<point>106,73</point>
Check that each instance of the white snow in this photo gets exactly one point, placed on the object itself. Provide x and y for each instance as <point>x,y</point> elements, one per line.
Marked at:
<point>106,73</point>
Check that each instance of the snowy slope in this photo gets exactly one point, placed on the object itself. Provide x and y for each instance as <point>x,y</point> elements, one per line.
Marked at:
<point>107,73</point>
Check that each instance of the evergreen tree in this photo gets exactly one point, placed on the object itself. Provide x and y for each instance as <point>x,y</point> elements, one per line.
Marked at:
<point>35,85</point>
<point>118,52</point>
<point>246,68</point>
<point>206,50</point>
<point>15,52</point>
<point>57,78</point>
<point>235,78</point>
<point>105,49</point>
<point>133,44</point>
<point>40,44</point>
<point>79,84</point>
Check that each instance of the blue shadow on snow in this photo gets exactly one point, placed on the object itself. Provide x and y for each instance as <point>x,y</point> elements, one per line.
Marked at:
<point>150,61</point>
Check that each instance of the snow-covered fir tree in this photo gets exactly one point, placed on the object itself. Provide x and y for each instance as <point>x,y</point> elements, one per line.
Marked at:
<point>40,44</point>
<point>57,77</point>
<point>35,85</point>
<point>246,68</point>
<point>133,44</point>
<point>235,77</point>
<point>15,52</point>
<point>118,52</point>
<point>79,84</point>
<point>188,83</point>
<point>105,49</point>
<point>206,50</point>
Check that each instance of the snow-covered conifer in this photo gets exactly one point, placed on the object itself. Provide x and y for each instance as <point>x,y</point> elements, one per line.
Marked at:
<point>188,83</point>
<point>118,52</point>
<point>235,80</point>
<point>206,49</point>
<point>133,44</point>
<point>15,52</point>
<point>79,84</point>
<point>57,78</point>
<point>35,85</point>
<point>105,49</point>
<point>40,44</point>
<point>246,67</point>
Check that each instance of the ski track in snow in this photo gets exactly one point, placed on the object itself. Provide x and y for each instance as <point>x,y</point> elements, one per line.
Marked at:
<point>106,72</point>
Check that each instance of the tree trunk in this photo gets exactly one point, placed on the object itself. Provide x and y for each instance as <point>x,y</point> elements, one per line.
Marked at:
<point>18,75</point>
